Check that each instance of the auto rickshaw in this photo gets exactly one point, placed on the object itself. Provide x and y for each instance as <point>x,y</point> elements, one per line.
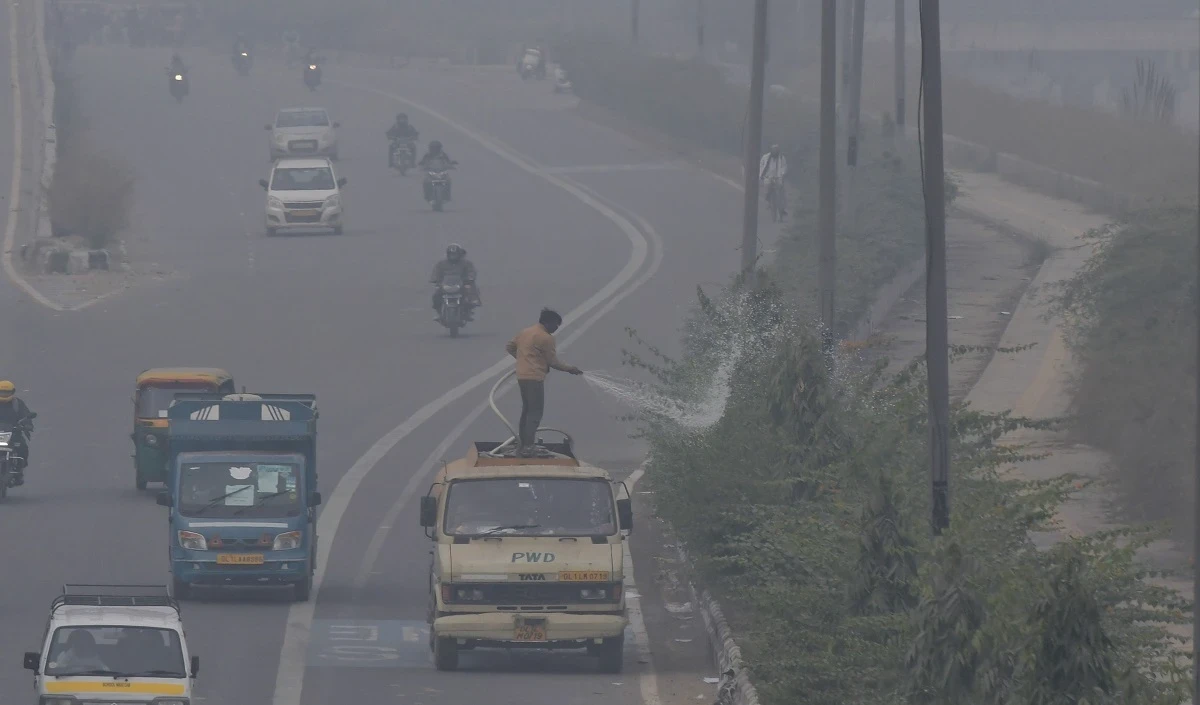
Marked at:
<point>156,389</point>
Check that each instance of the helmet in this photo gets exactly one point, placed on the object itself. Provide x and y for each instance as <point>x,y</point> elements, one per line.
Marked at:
<point>775,149</point>
<point>7,390</point>
<point>401,117</point>
<point>455,252</point>
<point>435,146</point>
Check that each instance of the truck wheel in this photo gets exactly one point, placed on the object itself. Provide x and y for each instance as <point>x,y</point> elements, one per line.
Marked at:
<point>445,653</point>
<point>303,589</point>
<point>611,654</point>
<point>180,590</point>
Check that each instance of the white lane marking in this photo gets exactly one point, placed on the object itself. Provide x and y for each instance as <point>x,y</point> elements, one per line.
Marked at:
<point>289,679</point>
<point>366,567</point>
<point>14,193</point>
<point>600,168</point>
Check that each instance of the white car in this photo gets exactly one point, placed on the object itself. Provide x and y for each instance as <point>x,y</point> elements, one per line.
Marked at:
<point>303,194</point>
<point>114,643</point>
<point>303,132</point>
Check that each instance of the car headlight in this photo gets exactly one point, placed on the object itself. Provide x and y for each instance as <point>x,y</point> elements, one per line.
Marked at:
<point>287,541</point>
<point>273,202</point>
<point>192,541</point>
<point>151,439</point>
<point>333,201</point>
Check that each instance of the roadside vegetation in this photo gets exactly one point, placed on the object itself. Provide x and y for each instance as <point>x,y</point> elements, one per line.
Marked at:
<point>1131,314</point>
<point>91,196</point>
<point>805,507</point>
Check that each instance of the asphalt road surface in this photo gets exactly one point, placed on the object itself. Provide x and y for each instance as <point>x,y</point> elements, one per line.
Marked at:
<point>552,209</point>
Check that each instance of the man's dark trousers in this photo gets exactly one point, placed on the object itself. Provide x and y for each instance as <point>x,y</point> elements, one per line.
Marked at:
<point>533,404</point>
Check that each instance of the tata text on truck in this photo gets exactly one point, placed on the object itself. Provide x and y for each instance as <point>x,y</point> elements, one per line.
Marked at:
<point>113,644</point>
<point>529,553</point>
<point>243,491</point>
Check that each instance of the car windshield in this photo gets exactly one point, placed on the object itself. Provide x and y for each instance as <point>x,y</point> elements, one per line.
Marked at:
<point>115,651</point>
<point>309,179</point>
<point>248,489</point>
<point>530,507</point>
<point>153,401</point>
<point>302,118</point>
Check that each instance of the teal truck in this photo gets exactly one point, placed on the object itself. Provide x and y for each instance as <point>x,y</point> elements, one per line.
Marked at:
<point>242,496</point>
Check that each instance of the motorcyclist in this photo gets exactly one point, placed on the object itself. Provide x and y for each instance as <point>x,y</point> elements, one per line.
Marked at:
<point>402,130</point>
<point>177,68</point>
<point>14,412</point>
<point>240,44</point>
<point>771,170</point>
<point>437,158</point>
<point>456,263</point>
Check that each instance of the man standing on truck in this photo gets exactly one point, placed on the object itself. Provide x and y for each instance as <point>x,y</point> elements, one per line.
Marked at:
<point>535,352</point>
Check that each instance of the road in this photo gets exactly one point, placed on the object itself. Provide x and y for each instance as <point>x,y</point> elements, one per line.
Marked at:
<point>347,318</point>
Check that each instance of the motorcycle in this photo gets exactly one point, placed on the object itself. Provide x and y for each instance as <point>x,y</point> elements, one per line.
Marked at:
<point>241,62</point>
<point>455,311</point>
<point>531,66</point>
<point>312,76</point>
<point>12,465</point>
<point>403,156</point>
<point>178,84</point>
<point>437,180</point>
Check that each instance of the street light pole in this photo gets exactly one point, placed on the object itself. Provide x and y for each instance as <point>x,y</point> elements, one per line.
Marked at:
<point>754,141</point>
<point>900,55</point>
<point>827,194</point>
<point>936,334</point>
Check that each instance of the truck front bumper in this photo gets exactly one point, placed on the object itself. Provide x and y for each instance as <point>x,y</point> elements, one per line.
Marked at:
<point>499,628</point>
<point>284,571</point>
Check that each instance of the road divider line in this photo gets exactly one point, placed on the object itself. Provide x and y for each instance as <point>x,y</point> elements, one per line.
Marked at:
<point>289,681</point>
<point>14,193</point>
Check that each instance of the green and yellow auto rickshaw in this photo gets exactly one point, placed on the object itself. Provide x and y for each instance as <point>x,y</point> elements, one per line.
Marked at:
<point>156,389</point>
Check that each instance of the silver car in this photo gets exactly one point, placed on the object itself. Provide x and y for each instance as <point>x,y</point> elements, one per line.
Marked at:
<point>303,132</point>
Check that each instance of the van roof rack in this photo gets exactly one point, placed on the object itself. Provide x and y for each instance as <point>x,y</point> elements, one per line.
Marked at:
<point>115,596</point>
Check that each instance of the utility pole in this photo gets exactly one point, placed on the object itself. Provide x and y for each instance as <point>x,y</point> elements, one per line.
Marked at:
<point>899,61</point>
<point>1196,515</point>
<point>633,20</point>
<point>827,207</point>
<point>754,140</point>
<point>853,107</point>
<point>847,17</point>
<point>936,334</point>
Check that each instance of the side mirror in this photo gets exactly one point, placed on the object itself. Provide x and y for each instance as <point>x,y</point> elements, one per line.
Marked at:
<point>164,499</point>
<point>428,511</point>
<point>337,124</point>
<point>314,499</point>
<point>341,182</point>
<point>32,660</point>
<point>264,184</point>
<point>625,514</point>
<point>195,666</point>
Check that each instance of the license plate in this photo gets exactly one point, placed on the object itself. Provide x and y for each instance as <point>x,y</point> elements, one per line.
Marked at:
<point>305,213</point>
<point>583,576</point>
<point>529,630</point>
<point>239,559</point>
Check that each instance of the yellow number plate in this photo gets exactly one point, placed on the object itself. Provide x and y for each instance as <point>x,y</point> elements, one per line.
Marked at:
<point>239,559</point>
<point>583,576</point>
<point>530,631</point>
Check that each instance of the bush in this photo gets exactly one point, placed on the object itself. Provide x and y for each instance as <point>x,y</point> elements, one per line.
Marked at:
<point>92,192</point>
<point>1131,326</point>
<point>805,507</point>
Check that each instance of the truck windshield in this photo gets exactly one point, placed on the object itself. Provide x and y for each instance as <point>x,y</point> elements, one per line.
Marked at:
<point>153,401</point>
<point>240,489</point>
<point>115,651</point>
<point>530,507</point>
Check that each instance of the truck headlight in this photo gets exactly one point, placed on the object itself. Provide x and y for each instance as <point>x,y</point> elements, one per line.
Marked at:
<point>612,593</point>
<point>468,594</point>
<point>192,541</point>
<point>287,541</point>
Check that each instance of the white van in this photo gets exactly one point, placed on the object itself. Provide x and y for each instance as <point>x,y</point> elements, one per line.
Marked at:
<point>114,644</point>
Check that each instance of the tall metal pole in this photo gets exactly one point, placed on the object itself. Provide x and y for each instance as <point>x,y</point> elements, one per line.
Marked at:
<point>754,140</point>
<point>936,334</point>
<point>853,107</point>
<point>1196,514</point>
<point>827,207</point>
<point>635,12</point>
<point>899,61</point>
<point>847,23</point>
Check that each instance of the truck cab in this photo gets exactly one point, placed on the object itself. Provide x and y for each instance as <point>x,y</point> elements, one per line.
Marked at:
<point>114,644</point>
<point>528,553</point>
<point>242,496</point>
